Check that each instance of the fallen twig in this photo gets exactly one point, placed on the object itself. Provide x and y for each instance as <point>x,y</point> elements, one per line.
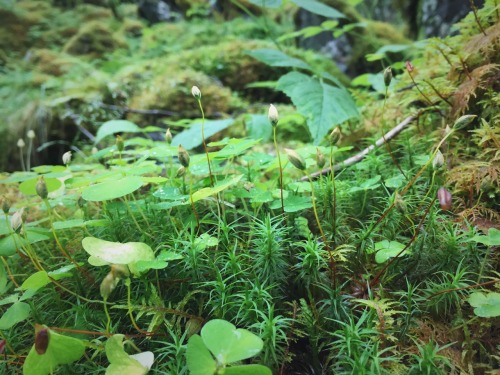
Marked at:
<point>361,155</point>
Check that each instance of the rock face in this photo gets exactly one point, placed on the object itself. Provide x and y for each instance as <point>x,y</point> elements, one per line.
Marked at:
<point>156,11</point>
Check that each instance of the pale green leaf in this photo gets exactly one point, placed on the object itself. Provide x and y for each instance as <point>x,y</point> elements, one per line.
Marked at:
<point>112,189</point>
<point>115,126</point>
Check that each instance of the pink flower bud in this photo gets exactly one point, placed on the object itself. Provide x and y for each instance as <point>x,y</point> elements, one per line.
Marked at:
<point>444,197</point>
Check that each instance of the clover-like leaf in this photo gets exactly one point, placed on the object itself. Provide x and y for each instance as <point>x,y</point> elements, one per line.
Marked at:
<point>123,364</point>
<point>60,350</point>
<point>229,344</point>
<point>199,359</point>
<point>485,305</point>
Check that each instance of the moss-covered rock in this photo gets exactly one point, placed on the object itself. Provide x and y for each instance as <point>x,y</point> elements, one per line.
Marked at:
<point>94,39</point>
<point>171,91</point>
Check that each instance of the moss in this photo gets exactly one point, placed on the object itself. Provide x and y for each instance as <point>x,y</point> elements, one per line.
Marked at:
<point>171,91</point>
<point>93,39</point>
<point>51,62</point>
<point>132,28</point>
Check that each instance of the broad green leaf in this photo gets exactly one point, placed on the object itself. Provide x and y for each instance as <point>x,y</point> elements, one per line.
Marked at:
<point>29,187</point>
<point>16,313</point>
<point>370,184</point>
<point>167,256</point>
<point>13,242</point>
<point>191,137</point>
<point>146,265</point>
<point>205,240</point>
<point>229,344</point>
<point>206,192</point>
<point>67,224</point>
<point>120,362</point>
<point>3,279</point>
<point>248,370</point>
<point>115,126</point>
<point>492,239</point>
<point>41,278</point>
<point>115,252</point>
<point>293,203</point>
<point>267,3</point>
<point>258,127</point>
<point>322,104</point>
<point>18,177</point>
<point>276,58</point>
<point>485,305</point>
<point>199,359</point>
<point>317,7</point>
<point>235,147</point>
<point>112,189</point>
<point>60,350</point>
<point>395,182</point>
<point>388,249</point>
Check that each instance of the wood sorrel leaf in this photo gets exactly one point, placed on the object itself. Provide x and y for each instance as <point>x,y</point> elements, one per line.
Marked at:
<point>112,189</point>
<point>123,364</point>
<point>229,344</point>
<point>116,252</point>
<point>485,305</point>
<point>115,126</point>
<point>60,350</point>
<point>199,359</point>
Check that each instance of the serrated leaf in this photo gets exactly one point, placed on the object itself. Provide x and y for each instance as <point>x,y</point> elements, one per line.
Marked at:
<point>322,104</point>
<point>60,350</point>
<point>276,58</point>
<point>115,126</point>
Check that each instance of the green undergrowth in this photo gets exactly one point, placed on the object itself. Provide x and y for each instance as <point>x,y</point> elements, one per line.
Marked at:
<point>217,248</point>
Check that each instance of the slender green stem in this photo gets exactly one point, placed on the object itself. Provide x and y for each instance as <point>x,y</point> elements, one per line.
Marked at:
<point>332,261</point>
<point>21,156</point>
<point>281,172</point>
<point>193,207</point>
<point>204,143</point>
<point>334,208</point>
<point>28,154</point>
<point>108,317</point>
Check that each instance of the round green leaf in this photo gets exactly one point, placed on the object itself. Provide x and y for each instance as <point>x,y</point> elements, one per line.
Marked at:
<point>112,189</point>
<point>485,305</point>
<point>115,126</point>
<point>199,359</point>
<point>116,252</point>
<point>29,187</point>
<point>388,249</point>
<point>120,362</point>
<point>14,314</point>
<point>248,370</point>
<point>60,350</point>
<point>229,344</point>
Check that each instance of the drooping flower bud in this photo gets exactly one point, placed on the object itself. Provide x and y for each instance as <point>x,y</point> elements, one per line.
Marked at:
<point>31,134</point>
<point>183,156</point>
<point>463,121</point>
<point>320,158</point>
<point>438,161</point>
<point>5,206</point>
<point>66,158</point>
<point>16,221</point>
<point>409,66</point>
<point>294,158</point>
<point>387,76</point>
<point>120,270</point>
<point>334,136</point>
<point>41,188</point>
<point>399,203</point>
<point>273,115</point>
<point>180,172</point>
<point>168,137</point>
<point>108,284</point>
<point>196,92</point>
<point>20,143</point>
<point>120,145</point>
<point>444,198</point>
